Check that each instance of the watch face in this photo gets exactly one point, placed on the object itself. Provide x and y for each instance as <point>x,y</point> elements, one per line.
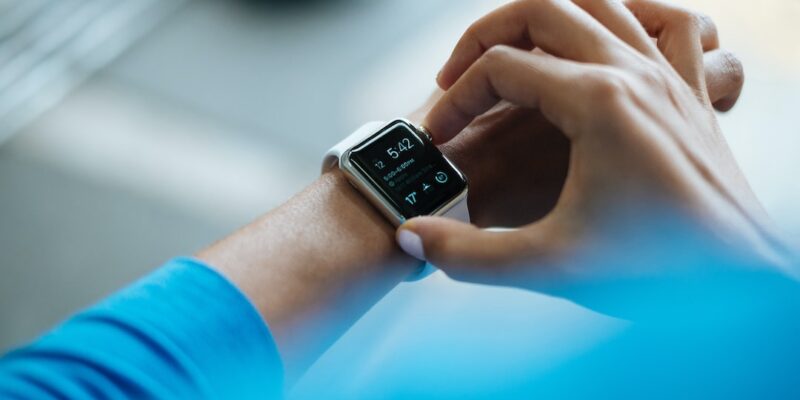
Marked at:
<point>410,173</point>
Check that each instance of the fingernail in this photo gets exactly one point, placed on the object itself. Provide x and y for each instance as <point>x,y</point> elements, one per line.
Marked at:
<point>411,243</point>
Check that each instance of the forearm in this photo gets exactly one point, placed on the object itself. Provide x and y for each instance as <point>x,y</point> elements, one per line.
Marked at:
<point>310,267</point>
<point>313,266</point>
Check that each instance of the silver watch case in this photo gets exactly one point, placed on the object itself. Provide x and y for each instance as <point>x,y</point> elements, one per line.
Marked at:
<point>364,185</point>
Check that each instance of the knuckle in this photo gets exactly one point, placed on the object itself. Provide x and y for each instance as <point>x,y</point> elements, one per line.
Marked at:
<point>686,19</point>
<point>608,94</point>
<point>706,23</point>
<point>494,59</point>
<point>497,54</point>
<point>732,68</point>
<point>696,22</point>
<point>472,33</point>
<point>606,85</point>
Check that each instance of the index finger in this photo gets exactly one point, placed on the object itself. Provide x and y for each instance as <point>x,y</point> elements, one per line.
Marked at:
<point>558,27</point>
<point>527,79</point>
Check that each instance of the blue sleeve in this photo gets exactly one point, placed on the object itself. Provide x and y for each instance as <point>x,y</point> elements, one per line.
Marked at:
<point>183,331</point>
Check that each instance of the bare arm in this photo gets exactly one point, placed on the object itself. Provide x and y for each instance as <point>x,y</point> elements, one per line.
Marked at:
<point>316,264</point>
<point>313,266</point>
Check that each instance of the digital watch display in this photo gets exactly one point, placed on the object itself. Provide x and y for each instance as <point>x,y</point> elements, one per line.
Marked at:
<point>400,171</point>
<point>410,171</point>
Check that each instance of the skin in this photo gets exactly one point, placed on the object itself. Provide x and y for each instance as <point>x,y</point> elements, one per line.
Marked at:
<point>627,87</point>
<point>314,265</point>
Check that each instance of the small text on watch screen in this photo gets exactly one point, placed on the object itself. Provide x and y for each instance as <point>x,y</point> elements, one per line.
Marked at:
<point>409,171</point>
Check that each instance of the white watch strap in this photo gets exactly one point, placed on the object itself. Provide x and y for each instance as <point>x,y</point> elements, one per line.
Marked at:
<point>332,156</point>
<point>459,211</point>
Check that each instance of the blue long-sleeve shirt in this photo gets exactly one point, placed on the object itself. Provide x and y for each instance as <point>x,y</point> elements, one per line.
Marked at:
<point>183,331</point>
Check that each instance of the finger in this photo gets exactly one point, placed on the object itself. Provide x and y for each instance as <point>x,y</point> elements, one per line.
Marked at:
<point>657,17</point>
<point>558,27</point>
<point>724,78</point>
<point>462,249</point>
<point>621,22</point>
<point>521,77</point>
<point>682,36</point>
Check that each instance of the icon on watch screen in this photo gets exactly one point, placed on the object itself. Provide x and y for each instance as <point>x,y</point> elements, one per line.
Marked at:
<point>441,177</point>
<point>426,188</point>
<point>412,198</point>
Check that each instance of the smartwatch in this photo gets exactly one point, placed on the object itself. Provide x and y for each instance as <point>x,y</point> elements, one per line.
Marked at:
<point>400,171</point>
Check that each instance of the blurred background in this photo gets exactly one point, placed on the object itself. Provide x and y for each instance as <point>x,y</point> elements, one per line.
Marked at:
<point>133,131</point>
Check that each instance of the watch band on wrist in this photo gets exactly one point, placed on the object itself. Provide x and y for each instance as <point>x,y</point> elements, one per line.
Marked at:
<point>459,211</point>
<point>332,156</point>
<point>400,171</point>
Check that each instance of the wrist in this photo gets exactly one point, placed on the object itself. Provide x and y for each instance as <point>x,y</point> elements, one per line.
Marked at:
<point>358,238</point>
<point>320,239</point>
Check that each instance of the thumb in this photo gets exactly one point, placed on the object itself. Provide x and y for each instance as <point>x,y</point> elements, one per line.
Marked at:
<point>463,249</point>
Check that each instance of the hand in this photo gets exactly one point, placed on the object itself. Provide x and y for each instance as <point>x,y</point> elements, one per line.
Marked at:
<point>637,114</point>
<point>530,143</point>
